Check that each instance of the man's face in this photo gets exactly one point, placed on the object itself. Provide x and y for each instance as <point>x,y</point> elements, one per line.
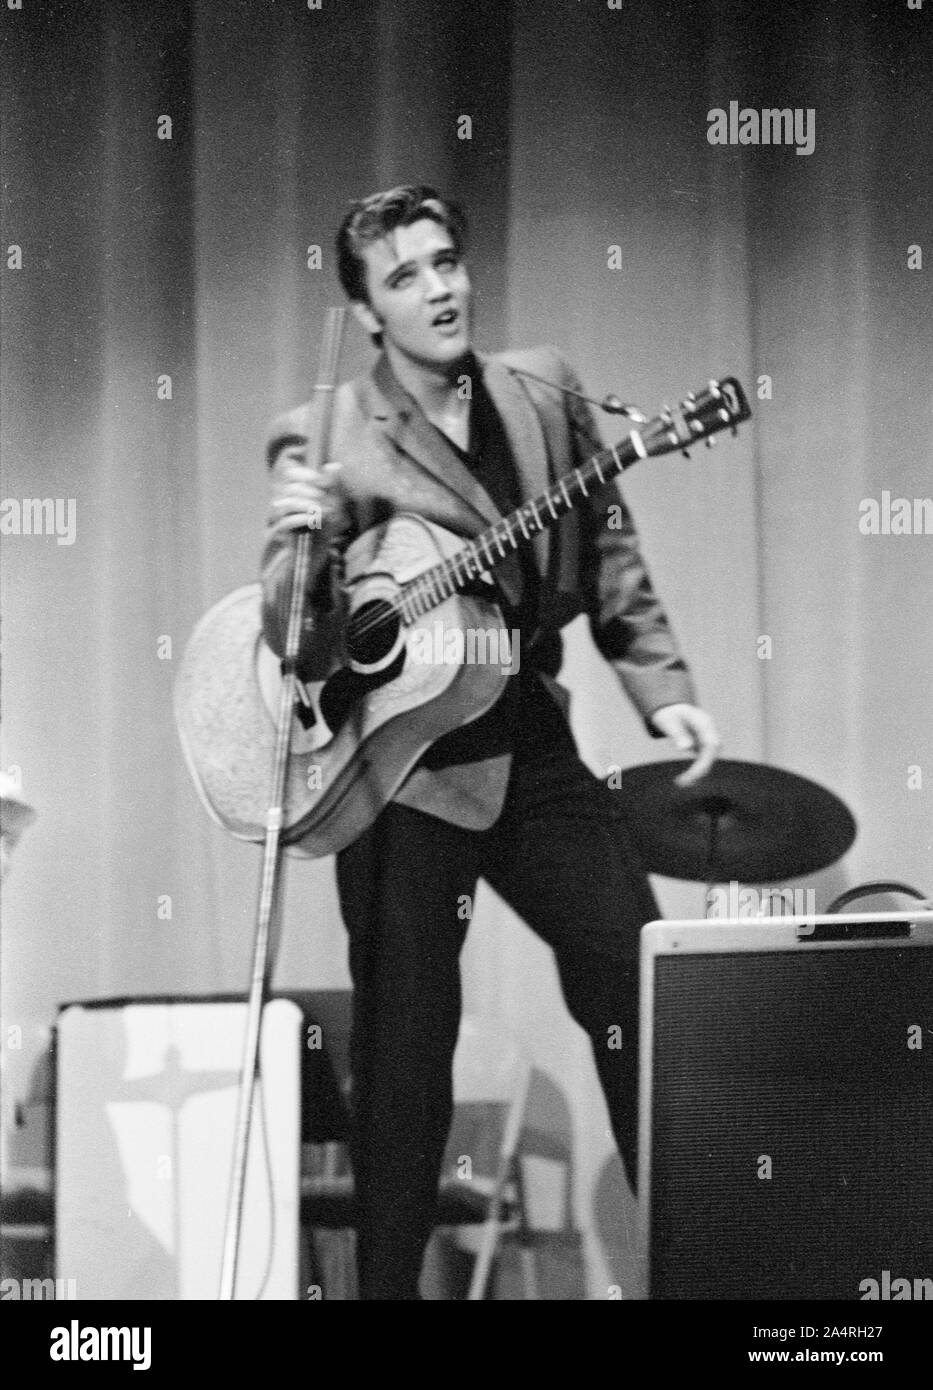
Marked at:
<point>419,293</point>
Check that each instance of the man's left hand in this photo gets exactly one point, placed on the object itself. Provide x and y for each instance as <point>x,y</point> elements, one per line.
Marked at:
<point>692,731</point>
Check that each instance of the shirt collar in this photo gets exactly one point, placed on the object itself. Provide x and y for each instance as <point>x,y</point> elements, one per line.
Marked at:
<point>399,401</point>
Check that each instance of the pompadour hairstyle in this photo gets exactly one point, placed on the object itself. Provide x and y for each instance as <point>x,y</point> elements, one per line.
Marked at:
<point>374,217</point>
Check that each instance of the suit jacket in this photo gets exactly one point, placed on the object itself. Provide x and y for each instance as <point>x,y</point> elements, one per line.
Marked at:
<point>395,460</point>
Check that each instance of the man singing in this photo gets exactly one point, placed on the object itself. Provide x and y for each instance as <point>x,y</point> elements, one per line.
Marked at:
<point>462,438</point>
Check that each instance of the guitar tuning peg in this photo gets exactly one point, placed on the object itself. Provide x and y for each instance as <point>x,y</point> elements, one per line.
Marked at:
<point>686,453</point>
<point>710,441</point>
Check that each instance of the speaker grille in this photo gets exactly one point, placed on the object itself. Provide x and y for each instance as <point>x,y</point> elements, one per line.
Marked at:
<point>801,1057</point>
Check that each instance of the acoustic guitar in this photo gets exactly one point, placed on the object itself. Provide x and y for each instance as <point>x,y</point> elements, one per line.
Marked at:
<point>423,654</point>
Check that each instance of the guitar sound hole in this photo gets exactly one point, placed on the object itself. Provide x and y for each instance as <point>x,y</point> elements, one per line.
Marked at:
<point>372,632</point>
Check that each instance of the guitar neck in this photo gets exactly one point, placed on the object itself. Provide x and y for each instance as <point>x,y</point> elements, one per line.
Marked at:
<point>510,533</point>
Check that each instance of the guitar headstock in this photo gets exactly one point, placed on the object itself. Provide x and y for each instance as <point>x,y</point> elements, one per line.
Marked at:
<point>702,414</point>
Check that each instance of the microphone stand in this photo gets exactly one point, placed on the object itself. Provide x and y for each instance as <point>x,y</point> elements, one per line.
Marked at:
<point>272,846</point>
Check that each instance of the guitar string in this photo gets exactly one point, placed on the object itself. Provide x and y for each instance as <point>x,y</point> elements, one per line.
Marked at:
<point>501,530</point>
<point>525,516</point>
<point>446,571</point>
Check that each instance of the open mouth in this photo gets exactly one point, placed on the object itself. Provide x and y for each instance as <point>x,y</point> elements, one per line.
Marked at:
<point>448,319</point>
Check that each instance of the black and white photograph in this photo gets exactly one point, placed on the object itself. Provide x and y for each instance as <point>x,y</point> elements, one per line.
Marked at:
<point>467,650</point>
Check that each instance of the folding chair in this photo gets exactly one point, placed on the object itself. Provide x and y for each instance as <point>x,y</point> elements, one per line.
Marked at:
<point>481,1177</point>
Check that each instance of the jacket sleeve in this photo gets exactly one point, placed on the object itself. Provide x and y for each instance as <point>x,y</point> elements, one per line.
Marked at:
<point>288,442</point>
<point>627,620</point>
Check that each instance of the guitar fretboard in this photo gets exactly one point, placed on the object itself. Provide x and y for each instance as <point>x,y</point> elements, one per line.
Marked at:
<point>509,533</point>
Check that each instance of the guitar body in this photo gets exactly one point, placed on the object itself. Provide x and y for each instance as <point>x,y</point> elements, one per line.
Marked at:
<point>361,729</point>
<point>409,673</point>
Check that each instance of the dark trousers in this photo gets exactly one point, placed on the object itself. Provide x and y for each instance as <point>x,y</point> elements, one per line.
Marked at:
<point>561,856</point>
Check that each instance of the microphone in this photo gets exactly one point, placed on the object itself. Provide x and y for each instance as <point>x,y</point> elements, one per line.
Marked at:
<point>610,404</point>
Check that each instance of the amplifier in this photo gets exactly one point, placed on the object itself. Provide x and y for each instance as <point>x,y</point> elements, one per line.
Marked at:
<point>786,1116</point>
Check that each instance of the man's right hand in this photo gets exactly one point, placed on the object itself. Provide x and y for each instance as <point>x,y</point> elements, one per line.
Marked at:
<point>303,497</point>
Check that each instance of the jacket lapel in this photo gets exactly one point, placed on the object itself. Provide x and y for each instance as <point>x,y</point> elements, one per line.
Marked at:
<point>407,427</point>
<point>526,437</point>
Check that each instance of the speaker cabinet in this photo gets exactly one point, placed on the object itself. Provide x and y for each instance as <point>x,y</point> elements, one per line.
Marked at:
<point>146,1104</point>
<point>786,1125</point>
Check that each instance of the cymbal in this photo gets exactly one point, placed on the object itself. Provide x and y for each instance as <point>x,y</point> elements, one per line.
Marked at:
<point>743,821</point>
<point>15,813</point>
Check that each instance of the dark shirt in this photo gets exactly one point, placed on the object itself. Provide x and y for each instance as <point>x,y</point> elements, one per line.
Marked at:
<point>524,703</point>
<point>488,456</point>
